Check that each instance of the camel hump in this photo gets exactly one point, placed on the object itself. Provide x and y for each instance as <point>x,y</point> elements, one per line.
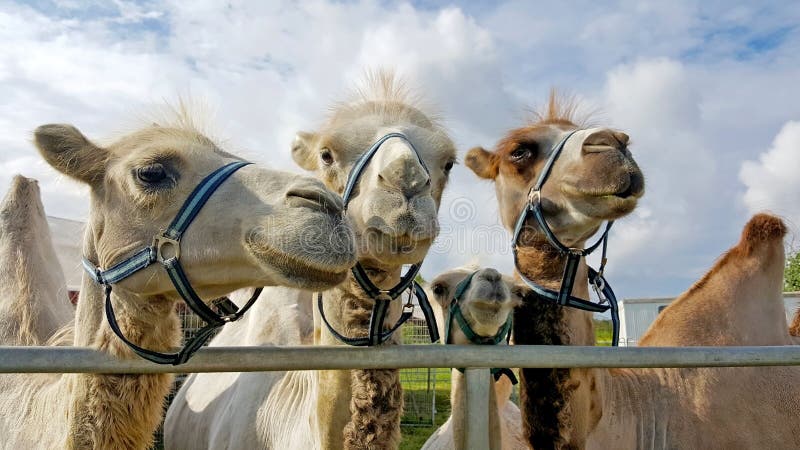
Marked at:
<point>762,229</point>
<point>22,189</point>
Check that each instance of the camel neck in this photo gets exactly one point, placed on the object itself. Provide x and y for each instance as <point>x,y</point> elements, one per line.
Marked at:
<point>363,408</point>
<point>552,399</point>
<point>96,400</point>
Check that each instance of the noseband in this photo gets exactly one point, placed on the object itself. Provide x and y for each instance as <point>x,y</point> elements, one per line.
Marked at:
<point>382,297</point>
<point>170,239</point>
<point>564,297</point>
<point>454,313</point>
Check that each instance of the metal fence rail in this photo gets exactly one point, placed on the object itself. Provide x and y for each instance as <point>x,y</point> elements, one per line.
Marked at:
<point>252,359</point>
<point>475,358</point>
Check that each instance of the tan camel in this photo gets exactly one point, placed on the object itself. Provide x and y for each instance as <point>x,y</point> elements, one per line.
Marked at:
<point>486,305</point>
<point>737,303</point>
<point>246,235</point>
<point>33,295</point>
<point>395,216</point>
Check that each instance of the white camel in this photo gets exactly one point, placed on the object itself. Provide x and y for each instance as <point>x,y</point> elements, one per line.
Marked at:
<point>246,235</point>
<point>486,300</point>
<point>394,210</point>
<point>33,294</point>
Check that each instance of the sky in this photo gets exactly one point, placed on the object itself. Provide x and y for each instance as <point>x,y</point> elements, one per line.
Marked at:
<point>707,90</point>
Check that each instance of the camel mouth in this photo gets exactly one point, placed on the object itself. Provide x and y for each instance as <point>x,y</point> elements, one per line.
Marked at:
<point>398,243</point>
<point>300,273</point>
<point>319,260</point>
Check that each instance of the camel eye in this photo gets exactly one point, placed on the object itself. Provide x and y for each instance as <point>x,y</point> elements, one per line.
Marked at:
<point>520,153</point>
<point>439,289</point>
<point>448,166</point>
<point>327,156</point>
<point>152,174</point>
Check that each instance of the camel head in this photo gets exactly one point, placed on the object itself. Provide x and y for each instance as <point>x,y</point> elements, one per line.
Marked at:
<point>395,203</point>
<point>594,179</point>
<point>260,227</point>
<point>486,303</point>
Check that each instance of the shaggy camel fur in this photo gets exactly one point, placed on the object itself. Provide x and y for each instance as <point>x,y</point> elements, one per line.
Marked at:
<point>33,295</point>
<point>246,235</point>
<point>394,212</point>
<point>486,306</point>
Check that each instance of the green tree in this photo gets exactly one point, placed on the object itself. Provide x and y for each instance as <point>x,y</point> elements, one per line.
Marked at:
<point>791,275</point>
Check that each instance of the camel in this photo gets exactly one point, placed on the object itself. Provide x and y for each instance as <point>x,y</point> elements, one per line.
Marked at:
<point>33,298</point>
<point>486,305</point>
<point>394,212</point>
<point>737,303</point>
<point>246,235</point>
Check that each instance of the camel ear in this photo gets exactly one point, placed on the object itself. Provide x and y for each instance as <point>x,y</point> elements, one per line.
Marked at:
<point>69,152</point>
<point>518,291</point>
<point>482,163</point>
<point>303,151</point>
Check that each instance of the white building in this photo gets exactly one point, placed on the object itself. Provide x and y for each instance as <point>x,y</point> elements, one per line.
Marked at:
<point>636,314</point>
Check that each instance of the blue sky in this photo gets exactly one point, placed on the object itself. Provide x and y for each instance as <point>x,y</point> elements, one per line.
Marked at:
<point>707,90</point>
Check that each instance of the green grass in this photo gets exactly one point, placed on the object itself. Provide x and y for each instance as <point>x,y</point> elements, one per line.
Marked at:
<point>603,332</point>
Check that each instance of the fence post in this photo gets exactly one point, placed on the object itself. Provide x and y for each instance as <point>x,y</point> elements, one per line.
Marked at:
<point>477,428</point>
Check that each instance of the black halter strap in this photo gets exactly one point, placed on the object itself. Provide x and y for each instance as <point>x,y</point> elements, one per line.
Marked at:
<point>455,314</point>
<point>170,239</point>
<point>382,297</point>
<point>564,297</point>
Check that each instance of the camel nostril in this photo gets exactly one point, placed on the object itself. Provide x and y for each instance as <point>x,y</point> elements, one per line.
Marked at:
<point>490,275</point>
<point>314,198</point>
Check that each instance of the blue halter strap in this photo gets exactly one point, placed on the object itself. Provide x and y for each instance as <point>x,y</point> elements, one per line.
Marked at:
<point>382,297</point>
<point>170,241</point>
<point>454,313</point>
<point>563,296</point>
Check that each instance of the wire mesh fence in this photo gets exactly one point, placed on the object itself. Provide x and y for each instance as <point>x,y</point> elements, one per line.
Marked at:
<point>419,385</point>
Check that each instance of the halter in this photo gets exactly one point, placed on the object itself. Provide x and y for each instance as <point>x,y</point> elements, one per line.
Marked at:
<point>170,238</point>
<point>563,296</point>
<point>454,312</point>
<point>382,297</point>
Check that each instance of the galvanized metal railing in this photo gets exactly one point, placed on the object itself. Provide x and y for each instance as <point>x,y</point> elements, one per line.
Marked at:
<point>475,358</point>
<point>256,359</point>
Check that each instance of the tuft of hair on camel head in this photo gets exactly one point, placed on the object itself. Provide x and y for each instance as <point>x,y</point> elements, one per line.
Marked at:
<point>762,229</point>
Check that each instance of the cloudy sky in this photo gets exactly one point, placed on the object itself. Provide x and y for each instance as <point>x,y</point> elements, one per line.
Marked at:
<point>709,92</point>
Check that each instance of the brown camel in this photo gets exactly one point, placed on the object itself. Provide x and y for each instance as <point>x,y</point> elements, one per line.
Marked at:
<point>247,235</point>
<point>737,303</point>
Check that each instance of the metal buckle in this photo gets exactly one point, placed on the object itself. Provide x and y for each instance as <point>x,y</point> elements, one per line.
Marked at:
<point>598,285</point>
<point>409,305</point>
<point>160,242</point>
<point>534,196</point>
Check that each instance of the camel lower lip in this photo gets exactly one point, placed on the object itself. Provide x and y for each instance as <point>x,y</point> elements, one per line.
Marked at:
<point>302,273</point>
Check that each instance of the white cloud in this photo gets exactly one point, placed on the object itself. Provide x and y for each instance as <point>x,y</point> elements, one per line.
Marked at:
<point>773,182</point>
<point>700,87</point>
